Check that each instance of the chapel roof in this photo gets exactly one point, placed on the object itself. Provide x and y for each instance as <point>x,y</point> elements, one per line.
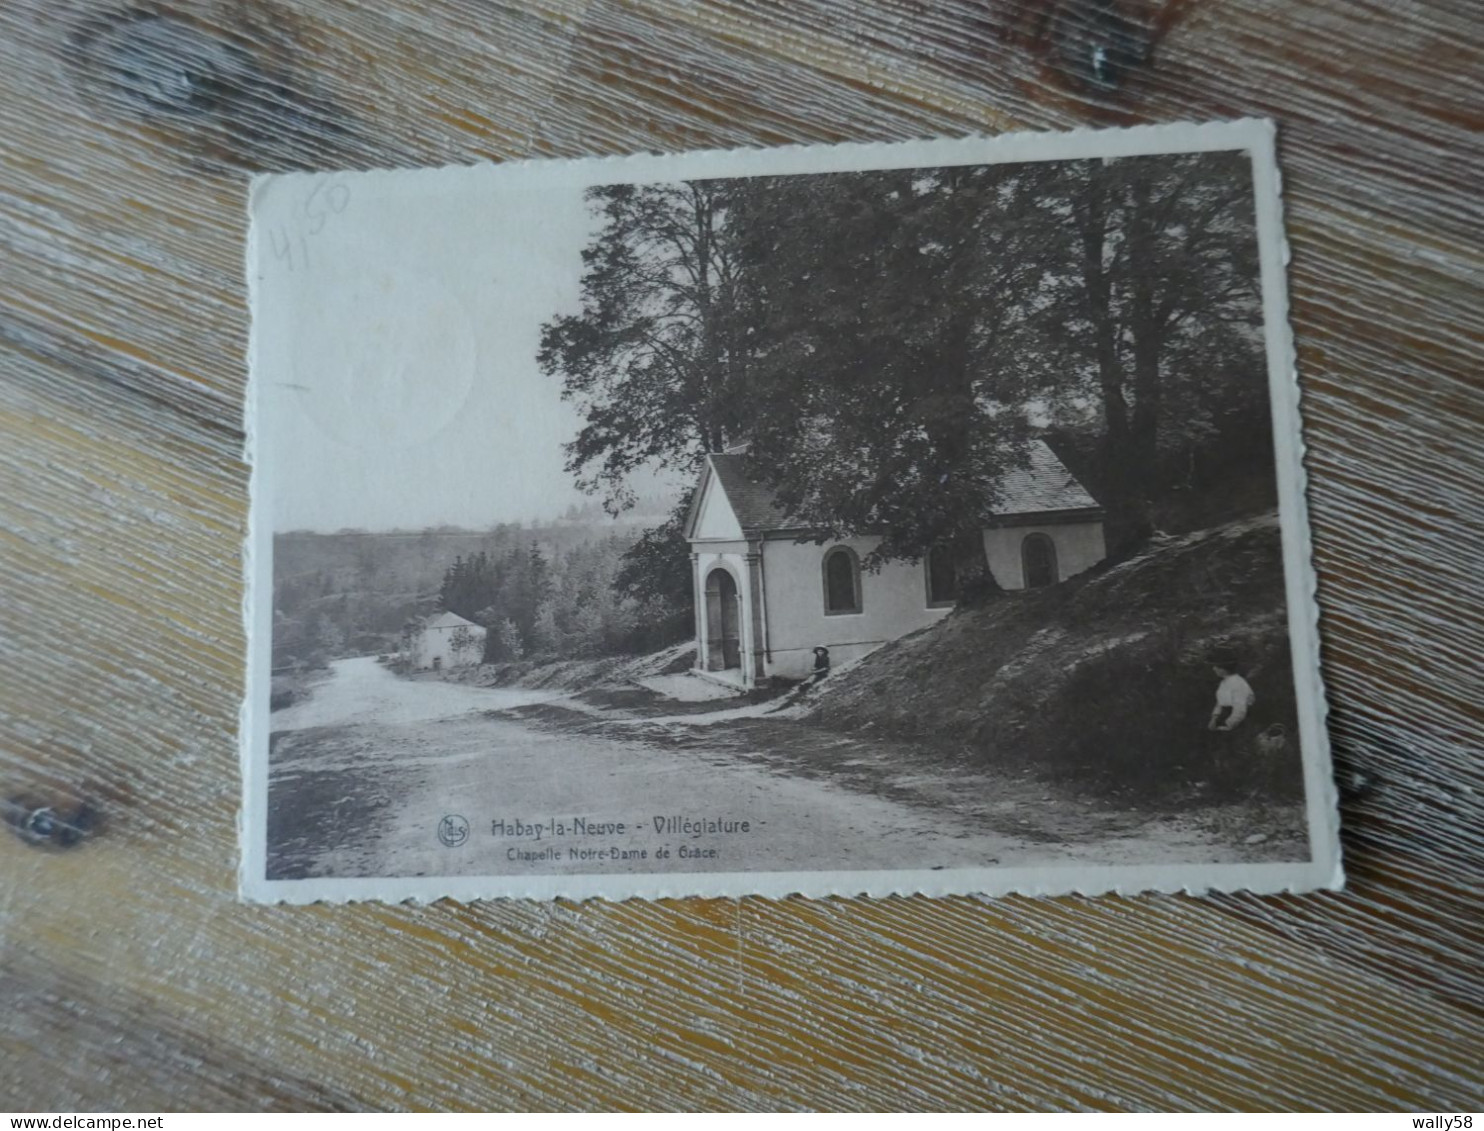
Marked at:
<point>1042,486</point>
<point>752,502</point>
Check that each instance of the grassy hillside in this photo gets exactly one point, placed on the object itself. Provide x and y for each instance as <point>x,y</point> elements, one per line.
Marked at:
<point>1106,679</point>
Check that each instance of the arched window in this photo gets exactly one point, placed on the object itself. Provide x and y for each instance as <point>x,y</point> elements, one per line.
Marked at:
<point>942,578</point>
<point>1038,560</point>
<point>842,582</point>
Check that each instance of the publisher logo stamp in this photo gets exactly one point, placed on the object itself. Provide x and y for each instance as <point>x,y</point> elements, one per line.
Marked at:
<point>453,830</point>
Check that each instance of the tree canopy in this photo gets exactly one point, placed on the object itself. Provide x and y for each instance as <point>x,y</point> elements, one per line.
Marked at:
<point>887,342</point>
<point>652,360</point>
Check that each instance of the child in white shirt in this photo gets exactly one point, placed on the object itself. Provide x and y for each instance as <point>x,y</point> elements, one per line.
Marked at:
<point>1234,697</point>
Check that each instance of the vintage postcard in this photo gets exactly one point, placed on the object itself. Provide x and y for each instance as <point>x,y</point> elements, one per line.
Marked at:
<point>843,520</point>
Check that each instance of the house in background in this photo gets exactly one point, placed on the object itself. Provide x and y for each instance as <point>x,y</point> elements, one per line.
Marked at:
<point>766,596</point>
<point>445,640</point>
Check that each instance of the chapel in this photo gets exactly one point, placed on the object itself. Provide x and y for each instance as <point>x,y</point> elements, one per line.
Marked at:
<point>767,594</point>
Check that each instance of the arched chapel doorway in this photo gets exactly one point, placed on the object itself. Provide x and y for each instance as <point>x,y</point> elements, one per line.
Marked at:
<point>1038,560</point>
<point>723,621</point>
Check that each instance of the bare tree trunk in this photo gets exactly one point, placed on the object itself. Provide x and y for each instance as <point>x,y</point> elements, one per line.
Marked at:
<point>1146,331</point>
<point>1120,480</point>
<point>953,439</point>
<point>1093,222</point>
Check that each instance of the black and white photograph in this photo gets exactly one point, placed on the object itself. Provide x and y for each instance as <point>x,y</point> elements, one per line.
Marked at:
<point>863,519</point>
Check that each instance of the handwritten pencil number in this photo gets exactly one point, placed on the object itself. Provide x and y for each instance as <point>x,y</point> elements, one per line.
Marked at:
<point>323,202</point>
<point>290,243</point>
<point>289,248</point>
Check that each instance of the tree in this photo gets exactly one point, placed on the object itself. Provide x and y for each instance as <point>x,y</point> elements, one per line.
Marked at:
<point>889,341</point>
<point>471,584</point>
<point>888,396</point>
<point>547,640</point>
<point>509,645</point>
<point>528,586</point>
<point>1165,295</point>
<point>654,360</point>
<point>407,639</point>
<point>655,573</point>
<point>290,640</point>
<point>463,644</point>
<point>329,640</point>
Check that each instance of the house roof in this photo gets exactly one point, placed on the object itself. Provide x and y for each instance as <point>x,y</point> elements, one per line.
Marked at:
<point>1042,486</point>
<point>448,620</point>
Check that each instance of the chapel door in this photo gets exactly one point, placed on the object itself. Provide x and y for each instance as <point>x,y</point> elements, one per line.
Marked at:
<point>1038,559</point>
<point>723,621</point>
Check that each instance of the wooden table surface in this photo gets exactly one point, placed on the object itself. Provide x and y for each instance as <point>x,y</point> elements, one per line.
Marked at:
<point>132,977</point>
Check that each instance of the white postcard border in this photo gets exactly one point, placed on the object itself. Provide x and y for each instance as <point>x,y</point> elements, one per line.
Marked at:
<point>1323,870</point>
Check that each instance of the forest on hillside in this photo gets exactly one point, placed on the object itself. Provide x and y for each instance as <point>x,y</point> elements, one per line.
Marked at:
<point>887,342</point>
<point>563,589</point>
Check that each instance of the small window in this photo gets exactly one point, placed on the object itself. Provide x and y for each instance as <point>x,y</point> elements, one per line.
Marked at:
<point>1038,559</point>
<point>942,578</point>
<point>842,582</point>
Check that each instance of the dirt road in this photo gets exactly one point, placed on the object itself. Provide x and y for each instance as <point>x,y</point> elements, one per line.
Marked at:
<point>383,776</point>
<point>363,692</point>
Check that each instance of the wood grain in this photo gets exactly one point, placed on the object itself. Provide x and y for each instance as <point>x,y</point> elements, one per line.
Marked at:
<point>132,977</point>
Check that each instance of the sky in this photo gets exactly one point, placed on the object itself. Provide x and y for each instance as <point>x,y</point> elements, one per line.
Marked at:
<point>396,322</point>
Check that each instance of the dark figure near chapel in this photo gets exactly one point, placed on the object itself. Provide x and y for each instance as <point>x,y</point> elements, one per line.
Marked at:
<point>821,663</point>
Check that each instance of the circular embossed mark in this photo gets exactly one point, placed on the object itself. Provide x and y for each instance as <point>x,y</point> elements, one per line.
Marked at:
<point>383,360</point>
